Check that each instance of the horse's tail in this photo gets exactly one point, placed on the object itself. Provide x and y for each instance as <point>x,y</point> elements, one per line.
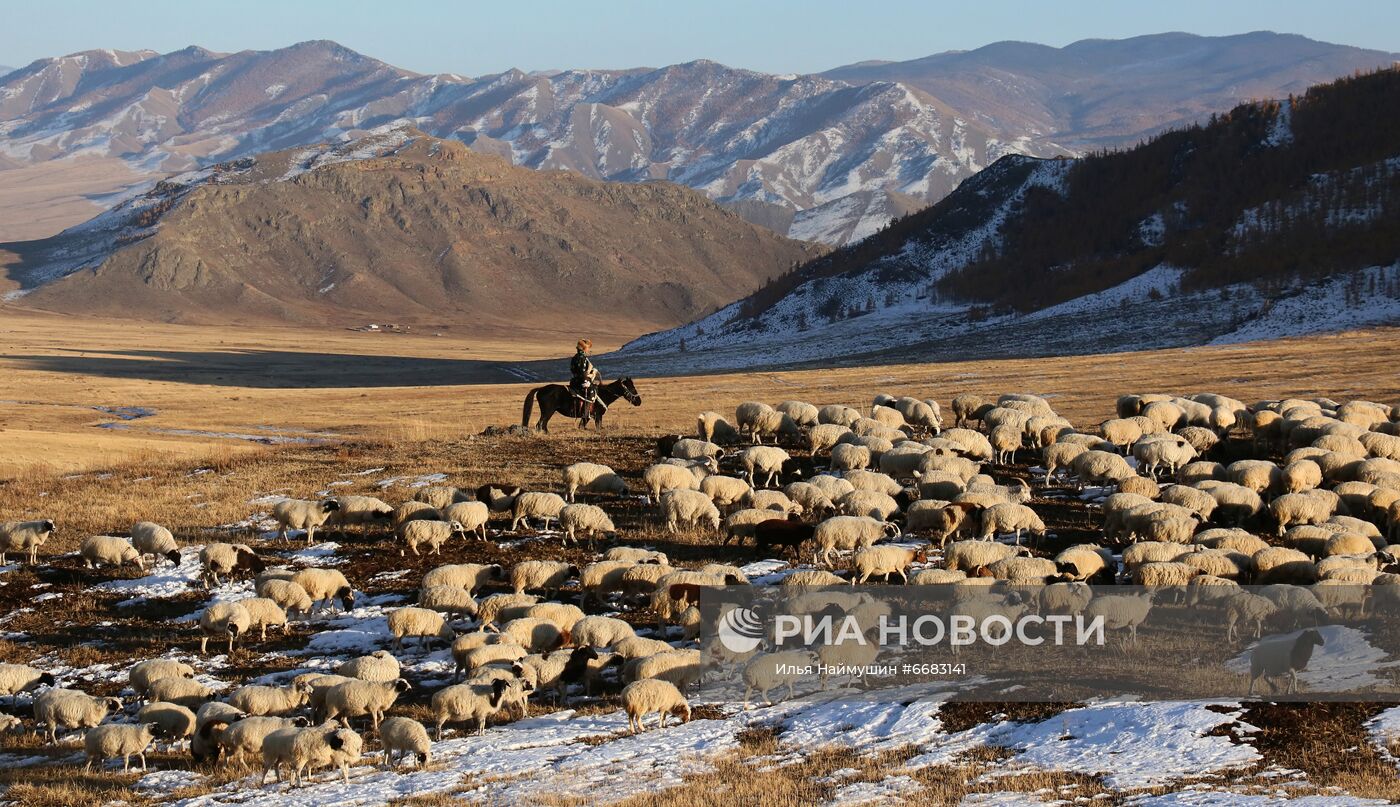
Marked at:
<point>529,405</point>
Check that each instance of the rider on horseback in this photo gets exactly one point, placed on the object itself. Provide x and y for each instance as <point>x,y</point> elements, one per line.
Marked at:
<point>584,379</point>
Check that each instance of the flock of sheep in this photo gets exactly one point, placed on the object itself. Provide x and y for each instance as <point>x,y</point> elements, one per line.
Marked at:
<point>887,493</point>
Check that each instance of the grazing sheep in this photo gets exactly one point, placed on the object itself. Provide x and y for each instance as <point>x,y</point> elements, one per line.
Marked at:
<point>473,516</point>
<point>601,631</point>
<point>741,523</point>
<point>726,491</point>
<point>17,678</point>
<point>849,457</point>
<point>300,514</point>
<point>556,672</point>
<point>768,671</point>
<point>267,700</point>
<point>872,504</point>
<point>664,477</point>
<point>759,419</point>
<point>153,539</point>
<point>498,496</point>
<point>1006,441</point>
<point>541,575</point>
<point>585,519</point>
<point>1260,476</point>
<point>326,585</point>
<point>884,560</point>
<point>603,577</point>
<point>311,748</point>
<point>696,450</point>
<point>1164,575</point>
<point>838,414</point>
<point>377,666</point>
<point>412,511</point>
<point>1059,456</point>
<point>118,740</point>
<point>824,437</point>
<point>361,511</point>
<point>1020,569</point>
<point>765,460</point>
<point>71,709</point>
<point>689,508</point>
<point>223,619</point>
<point>811,578</point>
<point>641,698</point>
<point>469,659</point>
<point>363,698</point>
<point>183,691</point>
<point>801,412</point>
<point>1348,543</point>
<point>463,702</point>
<point>636,555</point>
<point>245,736</point>
<point>173,722</point>
<point>1084,561</point>
<point>681,668</point>
<point>1218,563</point>
<point>1064,598</point>
<point>1308,507</point>
<point>1121,611</point>
<point>1197,501</point>
<point>535,634</point>
<point>833,487</point>
<point>636,647</point>
<point>1006,517</point>
<point>263,612</point>
<point>1158,451</point>
<point>470,576</point>
<point>21,536</point>
<point>848,532</point>
<point>290,596</point>
<point>140,676</point>
<point>969,556</point>
<point>1279,564</point>
<point>535,504</point>
<point>590,477</point>
<point>422,623</point>
<point>1282,655</point>
<point>440,497</point>
<point>226,559</point>
<point>711,427</point>
<point>404,735</point>
<point>1096,467</point>
<point>1152,552</point>
<point>99,549</point>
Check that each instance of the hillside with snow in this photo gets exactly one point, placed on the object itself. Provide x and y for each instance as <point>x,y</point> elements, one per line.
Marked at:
<point>836,155</point>
<point>1275,220</point>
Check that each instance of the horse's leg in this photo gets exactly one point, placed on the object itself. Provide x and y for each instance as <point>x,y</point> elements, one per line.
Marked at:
<point>546,411</point>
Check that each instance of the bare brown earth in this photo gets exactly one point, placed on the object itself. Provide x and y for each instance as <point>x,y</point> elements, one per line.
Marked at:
<point>431,233</point>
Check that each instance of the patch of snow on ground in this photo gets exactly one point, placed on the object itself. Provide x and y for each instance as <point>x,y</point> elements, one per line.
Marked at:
<point>890,791</point>
<point>1346,662</point>
<point>1385,732</point>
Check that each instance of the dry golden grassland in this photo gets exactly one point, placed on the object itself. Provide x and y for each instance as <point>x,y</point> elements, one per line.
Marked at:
<point>395,412</point>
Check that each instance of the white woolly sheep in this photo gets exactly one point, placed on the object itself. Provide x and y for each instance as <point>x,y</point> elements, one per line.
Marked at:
<point>1200,471</point>
<point>969,556</point>
<point>1099,467</point>
<point>833,487</point>
<point>422,623</point>
<point>472,516</point>
<point>1279,564</point>
<point>600,631</point>
<point>17,678</point>
<point>223,620</point>
<point>1301,475</point>
<point>363,698</point>
<point>838,414</point>
<point>361,511</point>
<point>1348,543</point>
<point>1162,575</point>
<point>681,668</point>
<point>99,549</point>
<point>328,585</point>
<point>172,722</point>
<point>535,504</point>
<point>1308,507</point>
<point>936,577</point>
<point>290,596</point>
<point>470,576</point>
<point>535,634</point>
<point>603,577</point>
<point>1084,561</point>
<point>262,613</point>
<point>1121,611</point>
<point>636,555</point>
<point>470,658</point>
<point>1152,552</point>
<point>25,536</point>
<point>848,532</point>
<point>307,749</point>
<point>641,698</point>
<point>226,559</point>
<point>585,519</point>
<point>1260,476</point>
<point>378,666</point>
<point>689,449</point>
<point>884,560</point>
<point>665,477</point>
<point>183,691</point>
<point>1162,451</point>
<point>71,709</point>
<point>1219,563</point>
<point>141,675</point>
<point>1006,517</point>
<point>824,437</point>
<point>801,412</point>
<point>689,508</point>
<point>404,735</point>
<point>260,700</point>
<point>726,491</point>
<point>768,671</point>
<point>1197,501</point>
<point>245,737</point>
<point>440,497</point>
<point>151,538</point>
<point>431,533</point>
<point>763,460</point>
<point>301,514</point>
<point>1233,503</point>
<point>711,427</point>
<point>590,477</point>
<point>541,575</point>
<point>1059,456</point>
<point>463,702</point>
<point>118,740</point>
<point>410,511</point>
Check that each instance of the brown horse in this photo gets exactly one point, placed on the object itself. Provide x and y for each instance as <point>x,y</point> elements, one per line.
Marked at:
<point>558,398</point>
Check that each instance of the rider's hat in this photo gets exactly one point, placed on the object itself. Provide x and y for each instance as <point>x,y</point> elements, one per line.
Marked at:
<point>585,344</point>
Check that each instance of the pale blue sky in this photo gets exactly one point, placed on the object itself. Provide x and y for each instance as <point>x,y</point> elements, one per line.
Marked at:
<point>781,36</point>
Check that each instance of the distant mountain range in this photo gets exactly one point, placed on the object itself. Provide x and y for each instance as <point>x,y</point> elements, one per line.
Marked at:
<point>1276,218</point>
<point>402,227</point>
<point>830,157</point>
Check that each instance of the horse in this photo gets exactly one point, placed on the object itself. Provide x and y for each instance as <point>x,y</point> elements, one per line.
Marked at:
<point>559,398</point>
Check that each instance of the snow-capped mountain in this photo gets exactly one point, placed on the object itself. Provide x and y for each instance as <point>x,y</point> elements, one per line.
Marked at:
<point>1277,218</point>
<point>835,156</point>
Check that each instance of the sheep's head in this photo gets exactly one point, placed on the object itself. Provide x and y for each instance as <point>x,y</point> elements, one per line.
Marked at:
<point>173,556</point>
<point>458,529</point>
<point>346,596</point>
<point>402,686</point>
<point>48,526</point>
<point>46,679</point>
<point>682,710</point>
<point>112,704</point>
<point>301,721</point>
